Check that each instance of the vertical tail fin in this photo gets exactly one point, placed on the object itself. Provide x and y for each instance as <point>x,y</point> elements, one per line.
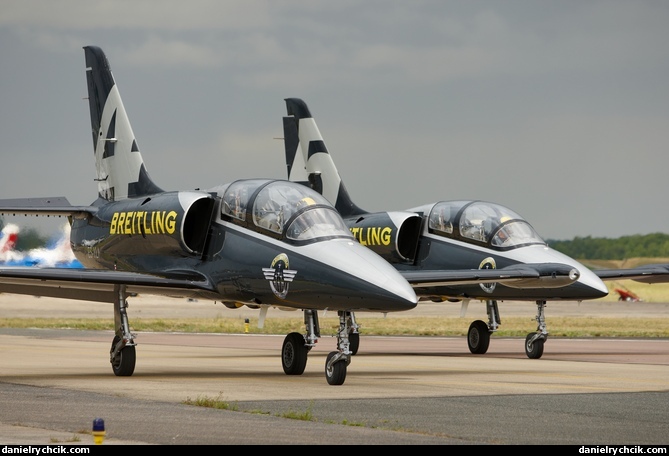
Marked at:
<point>297,168</point>
<point>121,173</point>
<point>308,159</point>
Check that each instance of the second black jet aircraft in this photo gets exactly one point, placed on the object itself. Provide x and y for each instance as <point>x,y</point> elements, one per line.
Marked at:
<point>436,245</point>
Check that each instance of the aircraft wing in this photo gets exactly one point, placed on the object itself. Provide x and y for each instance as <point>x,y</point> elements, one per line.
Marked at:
<point>650,273</point>
<point>98,284</point>
<point>540,275</point>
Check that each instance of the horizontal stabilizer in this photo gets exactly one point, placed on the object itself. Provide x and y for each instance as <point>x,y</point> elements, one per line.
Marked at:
<point>57,206</point>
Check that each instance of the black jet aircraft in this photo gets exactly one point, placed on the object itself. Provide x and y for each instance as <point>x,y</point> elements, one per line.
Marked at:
<point>433,243</point>
<point>253,242</point>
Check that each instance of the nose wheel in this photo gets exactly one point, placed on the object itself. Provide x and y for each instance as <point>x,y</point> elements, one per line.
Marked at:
<point>534,342</point>
<point>337,362</point>
<point>335,368</point>
<point>534,345</point>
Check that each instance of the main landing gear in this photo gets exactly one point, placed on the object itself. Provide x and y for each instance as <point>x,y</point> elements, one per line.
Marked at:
<point>296,347</point>
<point>122,353</point>
<point>293,353</point>
<point>478,336</point>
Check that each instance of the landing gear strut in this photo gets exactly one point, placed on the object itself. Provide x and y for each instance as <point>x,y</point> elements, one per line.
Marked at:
<point>297,346</point>
<point>353,334</point>
<point>478,336</point>
<point>534,342</point>
<point>122,353</point>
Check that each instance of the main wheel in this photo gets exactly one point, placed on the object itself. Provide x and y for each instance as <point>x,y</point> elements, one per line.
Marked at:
<point>123,364</point>
<point>478,337</point>
<point>336,375</point>
<point>354,343</point>
<point>294,354</point>
<point>535,349</point>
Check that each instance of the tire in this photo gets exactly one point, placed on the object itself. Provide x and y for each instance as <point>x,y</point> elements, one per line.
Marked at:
<point>123,364</point>
<point>294,354</point>
<point>478,337</point>
<point>534,350</point>
<point>353,343</point>
<point>337,374</point>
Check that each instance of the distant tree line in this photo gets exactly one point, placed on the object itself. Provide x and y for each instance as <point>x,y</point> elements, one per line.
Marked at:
<point>655,245</point>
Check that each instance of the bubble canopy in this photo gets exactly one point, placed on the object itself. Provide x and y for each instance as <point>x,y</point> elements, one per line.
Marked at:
<point>482,222</point>
<point>289,210</point>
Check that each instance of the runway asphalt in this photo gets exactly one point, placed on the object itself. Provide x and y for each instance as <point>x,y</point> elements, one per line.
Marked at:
<point>398,390</point>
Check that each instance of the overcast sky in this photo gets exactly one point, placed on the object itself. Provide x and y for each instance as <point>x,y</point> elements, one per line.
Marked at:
<point>558,110</point>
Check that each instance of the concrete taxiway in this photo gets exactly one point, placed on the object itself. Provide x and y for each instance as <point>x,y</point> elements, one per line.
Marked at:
<point>399,390</point>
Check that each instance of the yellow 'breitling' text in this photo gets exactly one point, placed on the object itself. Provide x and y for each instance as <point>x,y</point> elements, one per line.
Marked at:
<point>372,235</point>
<point>143,222</point>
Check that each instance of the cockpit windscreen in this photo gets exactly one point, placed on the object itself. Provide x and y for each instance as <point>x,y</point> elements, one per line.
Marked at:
<point>288,209</point>
<point>482,222</point>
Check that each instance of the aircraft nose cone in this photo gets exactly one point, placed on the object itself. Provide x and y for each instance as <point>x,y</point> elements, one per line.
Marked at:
<point>362,279</point>
<point>593,283</point>
<point>586,286</point>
